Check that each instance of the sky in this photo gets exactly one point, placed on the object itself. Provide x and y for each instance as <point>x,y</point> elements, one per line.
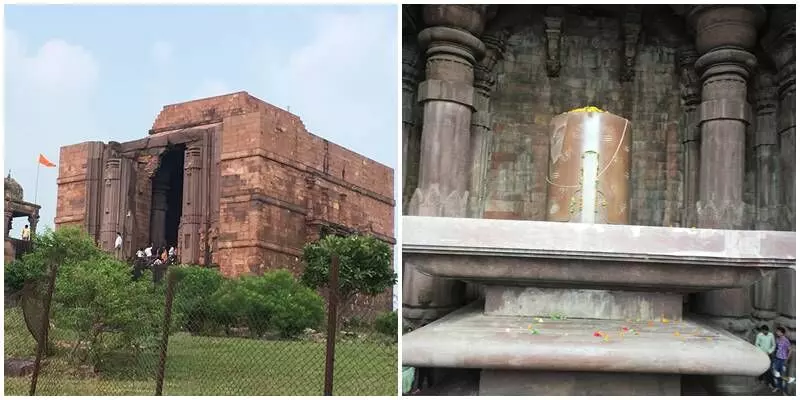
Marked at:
<point>80,73</point>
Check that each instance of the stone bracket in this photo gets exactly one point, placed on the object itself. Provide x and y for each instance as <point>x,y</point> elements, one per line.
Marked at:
<point>631,30</point>
<point>711,110</point>
<point>433,89</point>
<point>552,31</point>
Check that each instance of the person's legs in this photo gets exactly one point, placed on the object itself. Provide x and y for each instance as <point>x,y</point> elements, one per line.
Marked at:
<point>777,369</point>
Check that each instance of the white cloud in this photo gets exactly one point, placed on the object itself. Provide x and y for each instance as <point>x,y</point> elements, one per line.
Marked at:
<point>50,91</point>
<point>210,88</point>
<point>343,82</point>
<point>161,53</point>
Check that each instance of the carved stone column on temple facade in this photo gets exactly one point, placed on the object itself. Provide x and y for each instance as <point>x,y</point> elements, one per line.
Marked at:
<point>781,44</point>
<point>191,212</point>
<point>452,48</point>
<point>690,97</point>
<point>485,80</point>
<point>111,195</point>
<point>724,38</point>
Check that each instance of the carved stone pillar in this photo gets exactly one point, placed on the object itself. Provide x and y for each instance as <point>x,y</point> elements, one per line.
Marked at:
<point>485,80</point>
<point>33,220</point>
<point>781,45</point>
<point>765,147</point>
<point>158,213</point>
<point>410,79</point>
<point>111,195</point>
<point>8,217</point>
<point>768,199</point>
<point>725,34</point>
<point>447,95</point>
<point>192,208</point>
<point>690,96</point>
<point>724,37</point>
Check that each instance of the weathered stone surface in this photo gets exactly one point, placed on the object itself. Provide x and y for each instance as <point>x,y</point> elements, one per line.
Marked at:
<point>538,383</point>
<point>507,343</point>
<point>581,303</point>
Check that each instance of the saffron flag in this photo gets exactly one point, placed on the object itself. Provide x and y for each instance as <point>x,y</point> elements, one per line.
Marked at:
<point>44,161</point>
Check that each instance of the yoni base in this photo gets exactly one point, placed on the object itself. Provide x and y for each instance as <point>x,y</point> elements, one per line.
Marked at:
<point>549,383</point>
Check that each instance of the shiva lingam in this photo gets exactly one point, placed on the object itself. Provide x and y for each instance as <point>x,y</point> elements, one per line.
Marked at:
<point>593,306</point>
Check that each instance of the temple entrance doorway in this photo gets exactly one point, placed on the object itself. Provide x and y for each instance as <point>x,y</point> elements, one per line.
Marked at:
<point>166,210</point>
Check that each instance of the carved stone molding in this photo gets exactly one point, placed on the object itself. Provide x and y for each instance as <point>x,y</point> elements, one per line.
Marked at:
<point>690,81</point>
<point>631,30</point>
<point>432,202</point>
<point>485,75</point>
<point>553,21</point>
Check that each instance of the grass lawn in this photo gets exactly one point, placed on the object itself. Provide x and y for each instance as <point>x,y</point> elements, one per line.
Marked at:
<point>199,365</point>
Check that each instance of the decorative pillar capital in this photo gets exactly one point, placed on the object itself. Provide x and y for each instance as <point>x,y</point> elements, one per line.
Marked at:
<point>717,26</point>
<point>690,82</point>
<point>485,77</point>
<point>470,17</point>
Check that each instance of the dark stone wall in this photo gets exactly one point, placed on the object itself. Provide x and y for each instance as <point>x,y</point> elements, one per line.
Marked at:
<point>591,58</point>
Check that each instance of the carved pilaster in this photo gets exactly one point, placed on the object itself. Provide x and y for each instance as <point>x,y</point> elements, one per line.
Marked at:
<point>485,80</point>
<point>781,44</point>
<point>553,20</point>
<point>8,217</point>
<point>33,220</point>
<point>631,29</point>
<point>411,137</point>
<point>452,49</point>
<point>111,197</point>
<point>191,213</point>
<point>765,147</point>
<point>690,98</point>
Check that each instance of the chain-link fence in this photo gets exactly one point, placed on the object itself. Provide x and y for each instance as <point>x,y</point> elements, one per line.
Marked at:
<point>263,335</point>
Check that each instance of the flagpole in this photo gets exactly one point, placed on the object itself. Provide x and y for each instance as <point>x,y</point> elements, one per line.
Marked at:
<point>36,189</point>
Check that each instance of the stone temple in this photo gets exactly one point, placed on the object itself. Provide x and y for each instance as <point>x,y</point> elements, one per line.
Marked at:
<point>598,200</point>
<point>230,181</point>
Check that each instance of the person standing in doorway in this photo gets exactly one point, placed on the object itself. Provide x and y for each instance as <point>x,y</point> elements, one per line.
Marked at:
<point>782,353</point>
<point>765,341</point>
<point>26,233</point>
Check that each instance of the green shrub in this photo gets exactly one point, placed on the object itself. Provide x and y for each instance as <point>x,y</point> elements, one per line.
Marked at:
<point>110,313</point>
<point>192,306</point>
<point>387,324</point>
<point>274,302</point>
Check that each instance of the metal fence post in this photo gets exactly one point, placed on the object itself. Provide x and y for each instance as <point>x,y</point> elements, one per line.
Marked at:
<point>330,342</point>
<point>162,357</point>
<point>41,346</point>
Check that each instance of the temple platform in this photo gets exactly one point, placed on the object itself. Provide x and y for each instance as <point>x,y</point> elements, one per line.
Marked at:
<point>579,309</point>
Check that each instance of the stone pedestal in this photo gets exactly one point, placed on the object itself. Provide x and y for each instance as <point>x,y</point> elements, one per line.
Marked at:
<point>569,305</point>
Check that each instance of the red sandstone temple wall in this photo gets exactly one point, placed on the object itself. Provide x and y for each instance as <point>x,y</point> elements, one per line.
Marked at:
<point>274,179</point>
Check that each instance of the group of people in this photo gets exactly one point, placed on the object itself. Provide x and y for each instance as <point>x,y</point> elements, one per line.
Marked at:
<point>779,349</point>
<point>161,256</point>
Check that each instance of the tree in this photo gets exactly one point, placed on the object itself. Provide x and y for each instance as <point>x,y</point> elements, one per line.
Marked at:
<point>94,297</point>
<point>365,265</point>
